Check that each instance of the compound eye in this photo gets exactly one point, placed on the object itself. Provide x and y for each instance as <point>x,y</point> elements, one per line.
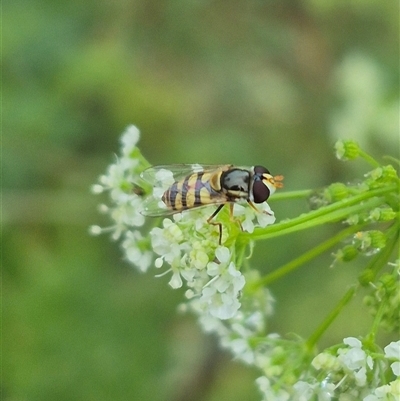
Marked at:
<point>260,192</point>
<point>261,170</point>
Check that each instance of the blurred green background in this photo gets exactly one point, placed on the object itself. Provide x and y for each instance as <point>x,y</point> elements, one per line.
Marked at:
<point>245,82</point>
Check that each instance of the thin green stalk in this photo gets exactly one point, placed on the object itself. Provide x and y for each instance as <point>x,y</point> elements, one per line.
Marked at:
<point>305,257</point>
<point>369,159</point>
<point>370,338</point>
<point>301,194</point>
<point>323,215</point>
<point>312,340</point>
<point>392,159</point>
<point>310,220</point>
<point>240,253</point>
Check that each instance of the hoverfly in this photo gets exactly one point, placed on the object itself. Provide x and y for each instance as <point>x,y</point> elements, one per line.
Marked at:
<point>188,186</point>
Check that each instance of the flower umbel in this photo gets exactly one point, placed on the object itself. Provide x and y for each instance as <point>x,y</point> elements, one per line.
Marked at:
<point>122,181</point>
<point>233,300</point>
<point>186,244</point>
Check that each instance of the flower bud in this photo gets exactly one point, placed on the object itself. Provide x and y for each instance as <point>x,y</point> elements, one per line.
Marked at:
<point>366,277</point>
<point>336,192</point>
<point>367,240</point>
<point>347,253</point>
<point>382,174</point>
<point>95,230</point>
<point>388,282</point>
<point>389,173</point>
<point>382,214</point>
<point>378,239</point>
<point>347,149</point>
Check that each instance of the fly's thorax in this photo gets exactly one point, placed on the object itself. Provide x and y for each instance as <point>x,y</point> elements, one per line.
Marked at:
<point>215,180</point>
<point>235,182</point>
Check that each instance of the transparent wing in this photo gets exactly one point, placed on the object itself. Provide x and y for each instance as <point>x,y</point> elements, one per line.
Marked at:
<point>165,175</point>
<point>154,206</point>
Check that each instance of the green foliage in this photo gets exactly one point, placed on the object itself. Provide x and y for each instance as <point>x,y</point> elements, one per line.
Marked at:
<point>243,82</point>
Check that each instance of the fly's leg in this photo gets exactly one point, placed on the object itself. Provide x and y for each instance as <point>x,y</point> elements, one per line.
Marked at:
<point>258,211</point>
<point>232,218</point>
<point>231,205</point>
<point>216,223</point>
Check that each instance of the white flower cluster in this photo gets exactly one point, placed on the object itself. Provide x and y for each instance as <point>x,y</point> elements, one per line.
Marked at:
<point>351,374</point>
<point>120,181</point>
<point>190,246</point>
<point>238,333</point>
<point>186,242</point>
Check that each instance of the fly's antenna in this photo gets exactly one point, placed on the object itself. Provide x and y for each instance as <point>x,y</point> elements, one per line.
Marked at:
<point>277,181</point>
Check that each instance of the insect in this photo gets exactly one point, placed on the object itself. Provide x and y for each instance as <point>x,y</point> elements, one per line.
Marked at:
<point>187,186</point>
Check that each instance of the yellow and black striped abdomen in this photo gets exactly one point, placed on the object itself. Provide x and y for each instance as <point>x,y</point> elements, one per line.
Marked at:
<point>193,191</point>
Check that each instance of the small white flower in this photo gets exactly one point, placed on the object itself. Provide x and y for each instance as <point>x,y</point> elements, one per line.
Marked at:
<point>241,350</point>
<point>114,176</point>
<point>209,323</point>
<point>97,189</point>
<point>176,280</point>
<point>396,368</point>
<point>129,139</point>
<point>197,168</point>
<point>269,393</point>
<point>352,342</point>
<point>303,391</point>
<point>223,254</point>
<point>129,211</point>
<point>141,259</point>
<point>326,391</point>
<point>220,305</point>
<point>353,358</point>
<point>392,351</point>
<point>384,392</point>
<point>119,181</point>
<point>166,240</point>
<point>199,258</point>
<point>248,215</point>
<point>95,230</point>
<point>222,291</point>
<point>263,384</point>
<point>361,377</point>
<point>395,388</point>
<point>164,176</point>
<point>325,361</point>
<point>355,361</point>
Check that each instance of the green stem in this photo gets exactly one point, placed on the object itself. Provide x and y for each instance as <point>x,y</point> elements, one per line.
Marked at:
<point>311,220</point>
<point>330,213</point>
<point>240,253</point>
<point>370,338</point>
<point>379,261</point>
<point>305,257</point>
<point>392,159</point>
<point>291,195</point>
<point>369,159</point>
<point>312,340</point>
